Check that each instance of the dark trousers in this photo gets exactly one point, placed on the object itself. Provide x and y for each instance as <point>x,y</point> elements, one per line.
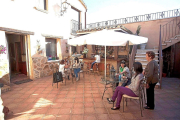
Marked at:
<point>92,64</point>
<point>125,83</point>
<point>150,95</point>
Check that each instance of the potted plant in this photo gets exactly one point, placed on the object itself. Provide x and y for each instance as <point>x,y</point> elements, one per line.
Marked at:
<point>143,45</point>
<point>85,51</point>
<point>38,45</point>
<point>2,49</point>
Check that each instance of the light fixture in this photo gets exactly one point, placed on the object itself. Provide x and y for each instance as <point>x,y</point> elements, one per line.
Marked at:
<point>60,10</point>
<point>64,6</point>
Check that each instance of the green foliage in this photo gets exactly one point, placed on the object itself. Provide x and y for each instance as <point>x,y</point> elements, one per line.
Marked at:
<point>2,49</point>
<point>138,30</point>
<point>85,51</point>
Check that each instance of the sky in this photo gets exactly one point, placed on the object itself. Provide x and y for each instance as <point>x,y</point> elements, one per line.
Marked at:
<point>102,10</point>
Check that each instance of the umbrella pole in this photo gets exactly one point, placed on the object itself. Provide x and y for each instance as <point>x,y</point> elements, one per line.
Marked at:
<point>105,64</point>
<point>105,75</point>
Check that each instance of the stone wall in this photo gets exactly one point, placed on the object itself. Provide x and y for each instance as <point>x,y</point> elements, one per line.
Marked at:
<point>4,75</point>
<point>43,68</point>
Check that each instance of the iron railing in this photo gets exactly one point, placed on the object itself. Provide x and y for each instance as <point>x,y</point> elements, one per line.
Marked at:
<point>160,59</point>
<point>140,18</point>
<point>132,57</point>
<point>75,25</point>
<point>170,30</point>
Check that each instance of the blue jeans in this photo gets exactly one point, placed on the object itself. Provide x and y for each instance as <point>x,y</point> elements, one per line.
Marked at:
<point>93,64</point>
<point>76,70</point>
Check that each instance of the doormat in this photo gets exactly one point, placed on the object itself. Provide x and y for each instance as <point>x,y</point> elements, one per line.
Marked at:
<point>22,81</point>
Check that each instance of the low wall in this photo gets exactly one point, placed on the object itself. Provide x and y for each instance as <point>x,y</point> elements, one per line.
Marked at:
<point>4,74</point>
<point>42,67</point>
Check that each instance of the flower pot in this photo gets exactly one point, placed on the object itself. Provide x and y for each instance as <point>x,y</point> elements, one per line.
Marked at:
<point>85,55</point>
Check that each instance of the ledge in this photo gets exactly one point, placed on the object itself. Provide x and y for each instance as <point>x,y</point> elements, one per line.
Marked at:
<point>41,10</point>
<point>54,61</point>
<point>102,59</point>
<point>51,36</point>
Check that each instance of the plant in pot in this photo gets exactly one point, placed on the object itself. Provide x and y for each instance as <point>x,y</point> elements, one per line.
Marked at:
<point>143,45</point>
<point>85,51</point>
<point>38,45</point>
<point>2,49</point>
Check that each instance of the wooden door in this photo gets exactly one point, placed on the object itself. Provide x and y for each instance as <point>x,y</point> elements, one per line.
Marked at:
<point>176,70</point>
<point>18,54</point>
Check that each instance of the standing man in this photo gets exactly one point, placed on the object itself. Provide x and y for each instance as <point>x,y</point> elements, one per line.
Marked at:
<point>96,61</point>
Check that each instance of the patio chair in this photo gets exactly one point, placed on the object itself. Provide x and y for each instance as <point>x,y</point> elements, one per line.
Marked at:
<point>96,66</point>
<point>82,69</point>
<point>86,68</point>
<point>111,82</point>
<point>140,97</point>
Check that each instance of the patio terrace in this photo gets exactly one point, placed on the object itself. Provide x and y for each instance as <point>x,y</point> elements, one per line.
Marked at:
<point>38,100</point>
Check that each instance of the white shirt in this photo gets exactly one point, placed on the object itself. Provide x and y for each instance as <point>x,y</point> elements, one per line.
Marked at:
<point>61,68</point>
<point>97,58</point>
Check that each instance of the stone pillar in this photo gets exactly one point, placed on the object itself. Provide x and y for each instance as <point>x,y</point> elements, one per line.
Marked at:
<point>1,108</point>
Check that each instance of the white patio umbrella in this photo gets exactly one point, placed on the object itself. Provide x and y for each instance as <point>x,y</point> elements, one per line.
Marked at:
<point>107,38</point>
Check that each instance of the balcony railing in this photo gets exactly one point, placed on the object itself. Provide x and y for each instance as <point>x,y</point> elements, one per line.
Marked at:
<point>140,18</point>
<point>170,30</point>
<point>75,25</point>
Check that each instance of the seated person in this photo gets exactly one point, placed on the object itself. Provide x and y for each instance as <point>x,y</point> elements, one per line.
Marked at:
<point>130,90</point>
<point>63,66</point>
<point>77,67</point>
<point>125,74</point>
<point>96,61</point>
<point>67,62</point>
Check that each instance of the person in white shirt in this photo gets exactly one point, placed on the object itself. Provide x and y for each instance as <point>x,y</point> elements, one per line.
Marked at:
<point>62,66</point>
<point>96,61</point>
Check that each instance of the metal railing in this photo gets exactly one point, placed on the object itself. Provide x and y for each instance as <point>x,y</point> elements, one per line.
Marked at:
<point>140,18</point>
<point>160,59</point>
<point>170,30</point>
<point>75,25</point>
<point>132,57</point>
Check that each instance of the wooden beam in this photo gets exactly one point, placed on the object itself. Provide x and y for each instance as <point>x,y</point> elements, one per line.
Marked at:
<point>82,2</point>
<point>29,57</point>
<point>115,52</point>
<point>10,30</point>
<point>59,52</point>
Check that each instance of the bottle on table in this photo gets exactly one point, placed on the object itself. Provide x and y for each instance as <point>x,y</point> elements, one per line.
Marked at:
<point>120,78</point>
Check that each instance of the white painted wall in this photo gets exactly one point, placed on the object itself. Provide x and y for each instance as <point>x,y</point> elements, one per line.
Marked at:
<point>20,14</point>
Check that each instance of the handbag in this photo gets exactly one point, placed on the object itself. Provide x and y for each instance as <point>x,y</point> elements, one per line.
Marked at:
<point>57,77</point>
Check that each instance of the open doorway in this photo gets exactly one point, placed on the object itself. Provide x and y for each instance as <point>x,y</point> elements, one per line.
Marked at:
<point>17,57</point>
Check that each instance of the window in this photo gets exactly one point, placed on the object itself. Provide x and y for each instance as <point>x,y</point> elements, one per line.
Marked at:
<point>51,49</point>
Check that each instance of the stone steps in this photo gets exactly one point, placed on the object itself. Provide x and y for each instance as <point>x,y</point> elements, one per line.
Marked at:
<point>145,50</point>
<point>144,57</point>
<point>141,57</point>
<point>144,54</point>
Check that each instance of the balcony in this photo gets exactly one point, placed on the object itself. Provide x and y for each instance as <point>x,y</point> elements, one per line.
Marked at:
<point>75,26</point>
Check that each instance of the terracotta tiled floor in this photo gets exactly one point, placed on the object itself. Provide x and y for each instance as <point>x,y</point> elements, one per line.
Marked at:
<point>38,100</point>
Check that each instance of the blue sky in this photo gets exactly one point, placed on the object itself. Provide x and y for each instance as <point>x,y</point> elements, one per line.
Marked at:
<point>101,10</point>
